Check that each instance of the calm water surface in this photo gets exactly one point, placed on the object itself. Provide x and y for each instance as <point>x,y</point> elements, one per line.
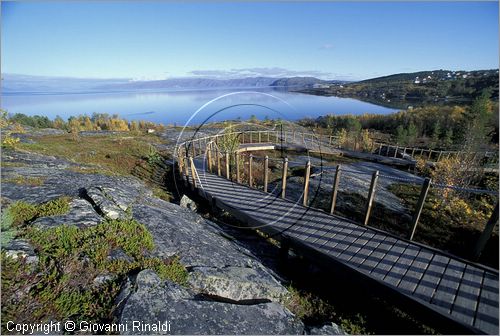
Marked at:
<point>180,106</point>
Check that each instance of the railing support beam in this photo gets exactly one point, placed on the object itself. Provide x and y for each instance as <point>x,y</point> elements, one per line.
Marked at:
<point>486,234</point>
<point>419,207</point>
<point>250,174</point>
<point>193,173</point>
<point>238,177</point>
<point>266,173</point>
<point>283,177</point>
<point>371,196</point>
<point>218,163</point>
<point>306,182</point>
<point>335,189</point>
<point>209,158</point>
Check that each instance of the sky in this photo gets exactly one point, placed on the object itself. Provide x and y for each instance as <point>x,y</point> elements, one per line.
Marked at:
<point>329,40</point>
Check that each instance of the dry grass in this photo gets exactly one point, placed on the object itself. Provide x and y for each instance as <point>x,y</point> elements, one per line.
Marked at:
<point>115,154</point>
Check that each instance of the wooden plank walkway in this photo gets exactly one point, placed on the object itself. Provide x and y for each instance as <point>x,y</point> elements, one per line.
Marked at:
<point>462,292</point>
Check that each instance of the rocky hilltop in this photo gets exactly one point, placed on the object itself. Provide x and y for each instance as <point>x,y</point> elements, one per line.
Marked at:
<point>227,289</point>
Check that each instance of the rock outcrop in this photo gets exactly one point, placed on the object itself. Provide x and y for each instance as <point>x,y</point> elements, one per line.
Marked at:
<point>230,291</point>
<point>186,312</point>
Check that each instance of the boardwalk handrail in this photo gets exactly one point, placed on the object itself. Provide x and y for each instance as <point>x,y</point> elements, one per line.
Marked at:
<point>214,154</point>
<point>431,155</point>
<point>332,141</point>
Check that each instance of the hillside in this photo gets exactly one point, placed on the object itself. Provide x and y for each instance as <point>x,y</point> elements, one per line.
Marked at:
<point>438,86</point>
<point>305,82</point>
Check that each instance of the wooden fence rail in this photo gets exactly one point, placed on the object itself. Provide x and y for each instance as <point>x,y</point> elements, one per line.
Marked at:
<point>215,153</point>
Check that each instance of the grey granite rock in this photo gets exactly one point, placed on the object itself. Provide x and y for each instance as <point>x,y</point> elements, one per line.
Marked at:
<point>188,203</point>
<point>327,329</point>
<point>237,284</point>
<point>21,248</point>
<point>163,302</point>
<point>119,254</point>
<point>81,214</point>
<point>109,201</point>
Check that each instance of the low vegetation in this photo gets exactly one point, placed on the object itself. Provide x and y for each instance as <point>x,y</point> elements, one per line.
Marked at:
<point>315,311</point>
<point>123,153</point>
<point>453,223</point>
<point>25,180</point>
<point>23,212</point>
<point>75,277</point>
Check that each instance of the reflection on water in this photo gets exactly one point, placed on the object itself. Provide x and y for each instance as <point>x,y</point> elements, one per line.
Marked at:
<point>179,106</point>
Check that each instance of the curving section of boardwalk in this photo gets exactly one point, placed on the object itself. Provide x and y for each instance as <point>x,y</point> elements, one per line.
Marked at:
<point>454,290</point>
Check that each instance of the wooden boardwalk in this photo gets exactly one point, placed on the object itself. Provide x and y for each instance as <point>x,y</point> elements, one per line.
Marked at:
<point>449,288</point>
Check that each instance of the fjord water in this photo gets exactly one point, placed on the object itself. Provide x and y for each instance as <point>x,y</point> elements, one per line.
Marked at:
<point>179,107</point>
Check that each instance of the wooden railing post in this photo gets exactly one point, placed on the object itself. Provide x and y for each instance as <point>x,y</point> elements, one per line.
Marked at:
<point>227,166</point>
<point>486,234</point>
<point>193,173</point>
<point>209,158</point>
<point>420,205</point>
<point>251,141</point>
<point>193,150</point>
<point>412,151</point>
<point>306,182</point>
<point>335,189</point>
<point>186,169</point>
<point>380,149</point>
<point>266,174</point>
<point>268,134</point>
<point>371,196</point>
<point>238,177</point>
<point>396,151</point>
<point>218,162</point>
<point>439,156</point>
<point>250,175</point>
<point>260,138</point>
<point>283,177</point>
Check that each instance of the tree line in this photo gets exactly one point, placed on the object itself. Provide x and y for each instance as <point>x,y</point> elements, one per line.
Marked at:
<point>95,122</point>
<point>443,127</point>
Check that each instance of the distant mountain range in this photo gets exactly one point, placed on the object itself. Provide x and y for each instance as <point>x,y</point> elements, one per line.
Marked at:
<point>304,82</point>
<point>13,83</point>
<point>191,83</point>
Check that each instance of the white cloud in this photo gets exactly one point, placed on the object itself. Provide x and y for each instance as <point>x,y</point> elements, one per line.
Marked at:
<point>275,72</point>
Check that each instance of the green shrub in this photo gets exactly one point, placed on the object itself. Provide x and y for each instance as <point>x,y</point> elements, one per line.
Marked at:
<point>26,180</point>
<point>23,212</point>
<point>62,285</point>
<point>314,310</point>
<point>8,231</point>
<point>154,158</point>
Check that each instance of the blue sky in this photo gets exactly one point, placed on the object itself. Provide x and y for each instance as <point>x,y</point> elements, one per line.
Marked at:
<point>333,40</point>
